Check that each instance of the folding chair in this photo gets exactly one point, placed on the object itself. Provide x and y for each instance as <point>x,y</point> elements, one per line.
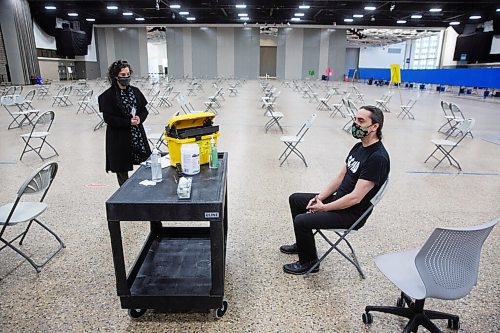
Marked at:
<point>27,101</point>
<point>447,146</point>
<point>21,117</point>
<point>351,111</point>
<point>165,98</point>
<point>337,108</point>
<point>343,233</point>
<point>94,106</point>
<point>406,109</point>
<point>458,118</point>
<point>20,211</point>
<point>446,267</point>
<point>151,107</point>
<point>84,102</point>
<point>445,106</point>
<point>323,102</point>
<point>157,140</point>
<point>58,98</point>
<point>358,95</point>
<point>186,106</point>
<point>291,142</point>
<point>39,131</point>
<point>383,102</point>
<point>274,116</point>
<point>232,90</point>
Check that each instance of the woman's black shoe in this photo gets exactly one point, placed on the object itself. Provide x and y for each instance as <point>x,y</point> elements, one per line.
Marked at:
<point>297,268</point>
<point>289,249</point>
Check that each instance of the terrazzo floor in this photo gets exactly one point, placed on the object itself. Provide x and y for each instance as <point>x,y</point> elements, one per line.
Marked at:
<point>76,291</point>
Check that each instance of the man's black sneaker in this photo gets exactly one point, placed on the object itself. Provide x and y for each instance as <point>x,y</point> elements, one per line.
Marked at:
<point>297,268</point>
<point>289,249</point>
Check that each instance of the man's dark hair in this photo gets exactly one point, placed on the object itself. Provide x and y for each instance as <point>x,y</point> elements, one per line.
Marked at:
<point>115,68</point>
<point>377,117</point>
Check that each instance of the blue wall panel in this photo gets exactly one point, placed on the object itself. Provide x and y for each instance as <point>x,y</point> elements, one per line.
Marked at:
<point>470,77</point>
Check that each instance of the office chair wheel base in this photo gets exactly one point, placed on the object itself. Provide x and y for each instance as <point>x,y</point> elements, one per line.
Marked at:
<point>218,313</point>
<point>367,318</point>
<point>454,324</point>
<point>136,313</point>
<point>400,303</point>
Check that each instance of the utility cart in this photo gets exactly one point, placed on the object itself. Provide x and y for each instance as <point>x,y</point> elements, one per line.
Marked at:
<point>178,268</point>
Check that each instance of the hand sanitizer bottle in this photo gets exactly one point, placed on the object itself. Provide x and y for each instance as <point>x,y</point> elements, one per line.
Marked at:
<point>214,158</point>
<point>155,166</point>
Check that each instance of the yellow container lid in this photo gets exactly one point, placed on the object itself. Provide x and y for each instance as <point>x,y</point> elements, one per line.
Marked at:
<point>190,120</point>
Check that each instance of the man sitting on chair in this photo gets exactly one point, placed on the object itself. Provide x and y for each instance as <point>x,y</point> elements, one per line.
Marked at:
<point>346,197</point>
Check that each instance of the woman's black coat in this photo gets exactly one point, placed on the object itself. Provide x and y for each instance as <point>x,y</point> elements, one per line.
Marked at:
<point>118,132</point>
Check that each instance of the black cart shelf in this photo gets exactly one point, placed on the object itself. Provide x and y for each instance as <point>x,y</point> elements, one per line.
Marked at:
<point>178,268</point>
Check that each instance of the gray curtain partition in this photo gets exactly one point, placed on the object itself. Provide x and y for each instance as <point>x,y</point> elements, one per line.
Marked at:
<point>26,38</point>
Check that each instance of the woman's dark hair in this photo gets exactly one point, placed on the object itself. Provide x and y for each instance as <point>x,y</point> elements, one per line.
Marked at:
<point>377,117</point>
<point>115,68</point>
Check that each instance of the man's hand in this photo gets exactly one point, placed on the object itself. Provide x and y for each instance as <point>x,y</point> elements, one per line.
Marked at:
<point>316,205</point>
<point>135,120</point>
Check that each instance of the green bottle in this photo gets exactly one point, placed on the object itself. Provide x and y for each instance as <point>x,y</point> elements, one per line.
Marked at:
<point>214,158</point>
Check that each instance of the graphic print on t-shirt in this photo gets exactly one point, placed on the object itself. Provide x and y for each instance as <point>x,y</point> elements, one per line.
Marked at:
<point>352,164</point>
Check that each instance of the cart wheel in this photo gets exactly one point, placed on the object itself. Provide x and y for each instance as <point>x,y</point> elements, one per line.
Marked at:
<point>136,313</point>
<point>218,313</point>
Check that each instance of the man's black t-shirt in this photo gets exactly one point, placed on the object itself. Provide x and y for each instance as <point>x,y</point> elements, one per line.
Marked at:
<point>369,163</point>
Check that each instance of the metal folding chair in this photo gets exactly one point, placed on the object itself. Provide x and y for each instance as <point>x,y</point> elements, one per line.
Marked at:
<point>84,102</point>
<point>38,134</point>
<point>458,118</point>
<point>21,211</point>
<point>343,233</point>
<point>20,117</point>
<point>383,102</point>
<point>151,107</point>
<point>94,106</point>
<point>165,98</point>
<point>275,118</point>
<point>406,109</point>
<point>233,91</point>
<point>27,101</point>
<point>291,142</point>
<point>323,102</point>
<point>445,106</point>
<point>351,112</point>
<point>447,146</point>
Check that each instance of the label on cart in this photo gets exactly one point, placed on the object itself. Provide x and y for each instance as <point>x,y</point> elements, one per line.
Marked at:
<point>211,215</point>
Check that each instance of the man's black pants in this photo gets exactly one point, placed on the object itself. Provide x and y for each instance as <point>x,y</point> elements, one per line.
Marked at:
<point>304,223</point>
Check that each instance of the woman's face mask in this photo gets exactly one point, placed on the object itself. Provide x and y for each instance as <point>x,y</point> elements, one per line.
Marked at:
<point>123,80</point>
<point>359,132</point>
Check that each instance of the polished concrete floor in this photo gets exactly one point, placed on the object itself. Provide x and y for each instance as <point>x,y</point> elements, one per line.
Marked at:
<point>76,291</point>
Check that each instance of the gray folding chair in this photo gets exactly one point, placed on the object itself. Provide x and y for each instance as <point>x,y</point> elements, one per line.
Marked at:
<point>20,117</point>
<point>458,118</point>
<point>94,106</point>
<point>445,106</point>
<point>291,142</point>
<point>84,102</point>
<point>351,112</point>
<point>446,267</point>
<point>406,109</point>
<point>447,146</point>
<point>21,211</point>
<point>38,134</point>
<point>383,102</point>
<point>343,233</point>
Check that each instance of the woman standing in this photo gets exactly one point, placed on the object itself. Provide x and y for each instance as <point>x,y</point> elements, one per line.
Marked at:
<point>124,110</point>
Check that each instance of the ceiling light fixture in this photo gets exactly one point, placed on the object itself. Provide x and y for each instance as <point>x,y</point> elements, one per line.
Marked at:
<point>242,14</point>
<point>241,6</point>
<point>191,18</point>
<point>244,18</point>
<point>54,7</point>
<point>435,10</point>
<point>357,15</point>
<point>295,19</point>
<point>348,20</point>
<point>183,13</point>
<point>112,7</point>
<point>370,8</point>
<point>475,17</point>
<point>299,14</point>
<point>454,23</point>
<point>127,14</point>
<point>498,9</point>
<point>304,7</point>
<point>139,18</point>
<point>401,21</point>
<point>417,16</point>
<point>175,6</point>
<point>72,14</point>
<point>90,20</point>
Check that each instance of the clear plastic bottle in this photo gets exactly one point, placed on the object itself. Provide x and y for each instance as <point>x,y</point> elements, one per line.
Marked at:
<point>214,158</point>
<point>155,166</point>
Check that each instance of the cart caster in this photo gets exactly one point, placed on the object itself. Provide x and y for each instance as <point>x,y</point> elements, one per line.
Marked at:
<point>136,313</point>
<point>218,313</point>
<point>367,318</point>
